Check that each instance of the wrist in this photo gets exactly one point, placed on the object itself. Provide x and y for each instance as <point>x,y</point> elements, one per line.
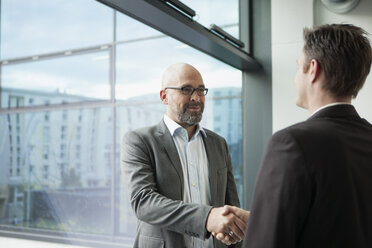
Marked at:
<point>209,221</point>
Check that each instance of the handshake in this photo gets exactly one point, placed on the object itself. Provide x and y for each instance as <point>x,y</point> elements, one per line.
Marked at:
<point>228,223</point>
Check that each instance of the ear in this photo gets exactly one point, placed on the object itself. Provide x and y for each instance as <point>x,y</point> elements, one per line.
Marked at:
<point>314,70</point>
<point>163,97</point>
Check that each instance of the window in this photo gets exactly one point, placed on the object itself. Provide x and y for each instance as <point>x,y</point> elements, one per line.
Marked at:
<point>64,115</point>
<point>66,62</point>
<point>227,16</point>
<point>78,132</point>
<point>49,77</point>
<point>46,117</point>
<point>62,155</point>
<point>46,134</point>
<point>45,173</point>
<point>45,151</point>
<point>78,169</point>
<point>64,26</point>
<point>63,132</point>
<point>77,152</point>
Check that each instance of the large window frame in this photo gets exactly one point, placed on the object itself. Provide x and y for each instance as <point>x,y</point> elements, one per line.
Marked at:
<point>218,48</point>
<point>160,16</point>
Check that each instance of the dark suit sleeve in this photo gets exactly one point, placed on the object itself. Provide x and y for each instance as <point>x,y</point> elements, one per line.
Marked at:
<point>282,195</point>
<point>149,205</point>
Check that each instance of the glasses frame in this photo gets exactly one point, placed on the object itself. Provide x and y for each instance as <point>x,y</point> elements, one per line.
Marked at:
<point>203,93</point>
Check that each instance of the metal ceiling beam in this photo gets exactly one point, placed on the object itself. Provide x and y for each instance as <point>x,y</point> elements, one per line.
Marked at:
<point>164,18</point>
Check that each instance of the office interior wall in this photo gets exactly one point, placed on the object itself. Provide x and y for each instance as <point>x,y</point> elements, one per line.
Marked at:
<point>288,18</point>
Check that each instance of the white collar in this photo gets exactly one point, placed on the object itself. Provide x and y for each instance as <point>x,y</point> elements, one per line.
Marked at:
<point>174,126</point>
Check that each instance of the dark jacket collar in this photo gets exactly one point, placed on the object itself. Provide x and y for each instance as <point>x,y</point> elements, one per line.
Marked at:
<point>337,111</point>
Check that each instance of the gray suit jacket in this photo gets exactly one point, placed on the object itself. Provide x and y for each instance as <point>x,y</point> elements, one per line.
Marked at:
<point>153,175</point>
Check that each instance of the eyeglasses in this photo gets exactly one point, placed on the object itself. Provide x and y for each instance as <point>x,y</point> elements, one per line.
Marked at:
<point>188,90</point>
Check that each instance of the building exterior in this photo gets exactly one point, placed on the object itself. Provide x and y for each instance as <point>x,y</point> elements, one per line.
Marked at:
<point>69,150</point>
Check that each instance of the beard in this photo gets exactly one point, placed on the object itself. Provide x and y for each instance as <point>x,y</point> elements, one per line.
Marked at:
<point>191,118</point>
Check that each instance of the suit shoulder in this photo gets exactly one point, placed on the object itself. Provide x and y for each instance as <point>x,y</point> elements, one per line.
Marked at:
<point>141,133</point>
<point>315,131</point>
<point>289,130</point>
<point>214,135</point>
<point>298,131</point>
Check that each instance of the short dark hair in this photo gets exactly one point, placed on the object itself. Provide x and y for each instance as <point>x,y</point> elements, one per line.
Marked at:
<point>344,54</point>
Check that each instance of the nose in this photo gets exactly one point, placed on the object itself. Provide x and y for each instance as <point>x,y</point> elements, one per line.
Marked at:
<point>194,96</point>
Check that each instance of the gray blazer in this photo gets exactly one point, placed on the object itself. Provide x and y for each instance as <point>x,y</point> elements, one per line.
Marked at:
<point>154,181</point>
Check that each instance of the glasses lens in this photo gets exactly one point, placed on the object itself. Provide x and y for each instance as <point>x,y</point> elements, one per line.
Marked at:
<point>202,91</point>
<point>187,90</point>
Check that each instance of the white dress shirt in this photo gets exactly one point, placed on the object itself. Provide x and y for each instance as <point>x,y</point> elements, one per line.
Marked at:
<point>194,163</point>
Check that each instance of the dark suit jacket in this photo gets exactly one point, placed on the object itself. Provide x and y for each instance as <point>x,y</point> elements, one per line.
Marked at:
<point>314,186</point>
<point>154,181</point>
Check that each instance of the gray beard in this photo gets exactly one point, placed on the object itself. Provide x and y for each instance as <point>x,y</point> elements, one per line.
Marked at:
<point>190,119</point>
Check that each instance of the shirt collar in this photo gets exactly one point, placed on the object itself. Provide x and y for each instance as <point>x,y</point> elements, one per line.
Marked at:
<point>329,105</point>
<point>173,127</point>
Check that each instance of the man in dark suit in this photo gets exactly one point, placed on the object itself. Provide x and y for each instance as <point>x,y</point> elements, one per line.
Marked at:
<point>179,175</point>
<point>314,186</point>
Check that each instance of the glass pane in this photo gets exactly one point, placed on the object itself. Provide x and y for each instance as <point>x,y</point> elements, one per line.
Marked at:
<point>224,112</point>
<point>43,26</point>
<point>134,31</point>
<point>61,80</point>
<point>223,13</point>
<point>56,171</point>
<point>132,114</point>
<point>154,56</point>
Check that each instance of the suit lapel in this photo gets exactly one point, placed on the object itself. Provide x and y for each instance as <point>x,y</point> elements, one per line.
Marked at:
<point>165,140</point>
<point>212,164</point>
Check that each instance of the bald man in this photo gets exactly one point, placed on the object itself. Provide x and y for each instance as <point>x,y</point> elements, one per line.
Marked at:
<point>179,175</point>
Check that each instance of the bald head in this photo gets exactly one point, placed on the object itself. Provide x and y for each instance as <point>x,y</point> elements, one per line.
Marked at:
<point>175,74</point>
<point>183,108</point>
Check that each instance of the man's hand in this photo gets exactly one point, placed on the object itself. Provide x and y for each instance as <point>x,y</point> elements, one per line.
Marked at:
<point>241,214</point>
<point>223,221</point>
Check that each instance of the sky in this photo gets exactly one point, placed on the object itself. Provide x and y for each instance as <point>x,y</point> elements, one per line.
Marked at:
<point>30,28</point>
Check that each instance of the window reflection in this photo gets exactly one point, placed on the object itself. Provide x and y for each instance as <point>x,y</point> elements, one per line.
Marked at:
<point>223,13</point>
<point>43,187</point>
<point>47,81</point>
<point>57,163</point>
<point>39,27</point>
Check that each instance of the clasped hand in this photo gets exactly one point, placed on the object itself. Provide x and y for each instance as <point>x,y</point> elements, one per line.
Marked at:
<point>228,223</point>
